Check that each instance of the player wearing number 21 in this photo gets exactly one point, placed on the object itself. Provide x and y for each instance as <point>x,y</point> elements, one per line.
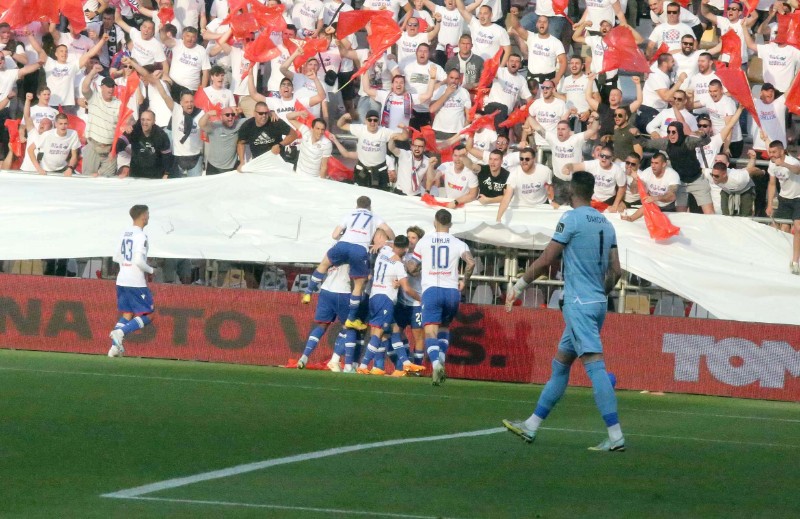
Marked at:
<point>134,300</point>
<point>438,254</point>
<point>591,270</point>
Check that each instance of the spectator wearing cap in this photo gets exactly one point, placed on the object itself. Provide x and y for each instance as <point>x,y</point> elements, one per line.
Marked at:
<point>371,169</point>
<point>223,136</point>
<point>103,116</point>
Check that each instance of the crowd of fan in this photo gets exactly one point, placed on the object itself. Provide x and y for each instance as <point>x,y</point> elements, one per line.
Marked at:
<point>201,107</point>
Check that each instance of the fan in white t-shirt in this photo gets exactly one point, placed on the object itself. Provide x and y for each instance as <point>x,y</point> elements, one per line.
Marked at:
<point>58,149</point>
<point>487,37</point>
<point>609,179</point>
<point>315,148</point>
<point>531,184</point>
<point>60,73</point>
<point>450,106</point>
<point>454,180</point>
<point>190,65</point>
<point>661,183</point>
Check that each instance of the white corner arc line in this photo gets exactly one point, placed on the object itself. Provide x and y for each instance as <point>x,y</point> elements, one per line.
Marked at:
<point>286,507</point>
<point>259,465</point>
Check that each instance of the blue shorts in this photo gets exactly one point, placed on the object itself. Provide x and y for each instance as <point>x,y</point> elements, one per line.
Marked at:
<point>351,254</point>
<point>440,305</point>
<point>381,311</point>
<point>582,331</point>
<point>136,300</point>
<point>408,316</point>
<point>331,306</point>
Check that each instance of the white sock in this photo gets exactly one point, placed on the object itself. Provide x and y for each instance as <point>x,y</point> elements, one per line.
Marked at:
<point>533,423</point>
<point>615,433</point>
<point>441,356</point>
<point>362,366</point>
<point>348,367</point>
<point>335,358</point>
<point>303,358</point>
<point>436,363</point>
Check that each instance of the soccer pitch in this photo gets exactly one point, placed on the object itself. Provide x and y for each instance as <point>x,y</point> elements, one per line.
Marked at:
<point>87,436</point>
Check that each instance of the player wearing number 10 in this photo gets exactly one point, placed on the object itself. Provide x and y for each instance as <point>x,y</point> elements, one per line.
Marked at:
<point>354,235</point>
<point>438,254</point>
<point>134,299</point>
<point>591,270</point>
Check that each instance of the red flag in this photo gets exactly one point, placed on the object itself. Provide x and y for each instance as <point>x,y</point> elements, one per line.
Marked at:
<point>735,82</point>
<point>793,97</point>
<point>431,200</point>
<point>622,52</point>
<point>518,116</point>
<point>202,102</point>
<point>270,18</point>
<point>749,6</point>
<point>166,15</point>
<point>662,49</point>
<point>125,114</point>
<point>353,21</point>
<point>73,12</point>
<point>311,48</point>
<point>484,121</point>
<point>490,68</point>
<point>307,119</point>
<point>560,7</point>
<point>430,139</point>
<point>261,50</point>
<point>16,146</point>
<point>731,47</point>
<point>658,224</point>
<point>22,12</point>
<point>243,25</point>
<point>423,26</point>
<point>600,206</point>
<point>789,29</point>
<point>684,3</point>
<point>338,171</point>
<point>385,33</point>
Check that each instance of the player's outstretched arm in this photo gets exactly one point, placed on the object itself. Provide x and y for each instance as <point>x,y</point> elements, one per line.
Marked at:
<point>614,271</point>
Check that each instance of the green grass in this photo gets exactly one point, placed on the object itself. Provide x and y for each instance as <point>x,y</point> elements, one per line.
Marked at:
<point>74,427</point>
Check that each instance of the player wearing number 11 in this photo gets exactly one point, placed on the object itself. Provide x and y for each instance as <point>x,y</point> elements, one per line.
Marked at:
<point>134,299</point>
<point>591,270</point>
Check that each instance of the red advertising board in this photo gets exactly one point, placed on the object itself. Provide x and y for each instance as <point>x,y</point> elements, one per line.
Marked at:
<point>712,357</point>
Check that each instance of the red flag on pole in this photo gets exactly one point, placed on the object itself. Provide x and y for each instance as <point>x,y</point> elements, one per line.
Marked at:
<point>560,7</point>
<point>735,82</point>
<point>518,116</point>
<point>658,224</point>
<point>622,52</point>
<point>490,68</point>
<point>16,146</point>
<point>125,114</point>
<point>749,6</point>
<point>484,121</point>
<point>202,102</point>
<point>732,48</point>
<point>73,11</point>
<point>384,33</point>
<point>662,49</point>
<point>353,21</point>
<point>261,50</point>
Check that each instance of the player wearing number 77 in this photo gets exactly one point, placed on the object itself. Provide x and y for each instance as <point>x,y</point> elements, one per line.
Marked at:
<point>354,235</point>
<point>591,270</point>
<point>134,299</point>
<point>438,254</point>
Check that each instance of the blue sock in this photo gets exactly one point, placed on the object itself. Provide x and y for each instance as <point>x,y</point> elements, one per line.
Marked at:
<point>372,349</point>
<point>349,346</point>
<point>339,346</point>
<point>400,350</point>
<point>316,280</point>
<point>604,395</point>
<point>392,356</point>
<point>432,347</point>
<point>419,358</point>
<point>444,343</point>
<point>380,356</point>
<point>137,323</point>
<point>355,301</point>
<point>313,340</point>
<point>553,390</point>
<point>121,323</point>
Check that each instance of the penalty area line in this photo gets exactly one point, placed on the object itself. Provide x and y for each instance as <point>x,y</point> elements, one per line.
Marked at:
<point>260,465</point>
<point>294,508</point>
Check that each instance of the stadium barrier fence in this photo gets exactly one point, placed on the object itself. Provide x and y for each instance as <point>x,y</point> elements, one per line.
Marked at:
<point>710,357</point>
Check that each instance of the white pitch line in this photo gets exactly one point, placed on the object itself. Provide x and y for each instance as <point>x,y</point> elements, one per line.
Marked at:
<point>389,393</point>
<point>297,508</point>
<point>259,465</point>
<point>682,438</point>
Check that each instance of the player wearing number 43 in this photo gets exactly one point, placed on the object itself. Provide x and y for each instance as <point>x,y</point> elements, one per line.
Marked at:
<point>591,263</point>
<point>134,299</point>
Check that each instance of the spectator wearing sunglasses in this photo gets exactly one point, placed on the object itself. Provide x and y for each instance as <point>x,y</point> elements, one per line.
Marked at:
<point>732,21</point>
<point>222,129</point>
<point>661,183</point>
<point>659,15</point>
<point>717,141</point>
<point>609,178</point>
<point>529,184</point>
<point>671,33</point>
<point>675,112</point>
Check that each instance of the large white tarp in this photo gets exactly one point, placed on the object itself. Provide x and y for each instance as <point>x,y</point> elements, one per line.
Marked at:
<point>733,267</point>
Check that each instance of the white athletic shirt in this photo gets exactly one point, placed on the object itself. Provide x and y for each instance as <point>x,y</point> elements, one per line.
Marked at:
<point>439,254</point>
<point>568,152</point>
<point>548,115</point>
<point>457,184</point>
<point>411,173</point>
<point>56,150</point>
<point>371,147</point>
<point>188,64</point>
<point>451,117</point>
<point>312,154</point>
<point>337,280</point>
<point>738,181</point>
<point>543,53</point>
<point>487,40</point>
<point>61,81</point>
<point>359,227</point>
<point>146,52</point>
<point>387,271</point>
<point>606,181</point>
<point>131,247</point>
